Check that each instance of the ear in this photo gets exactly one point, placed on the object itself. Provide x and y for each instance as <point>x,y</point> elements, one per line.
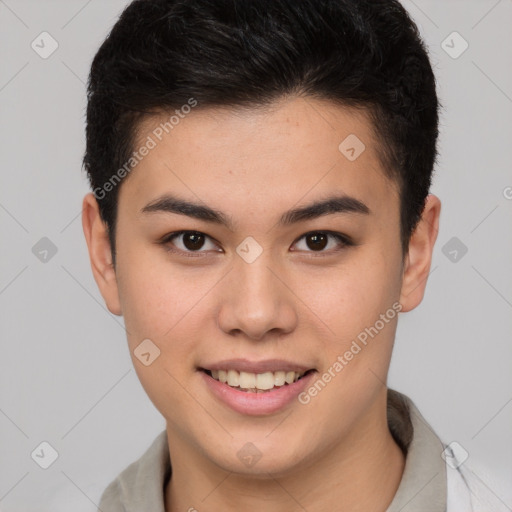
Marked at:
<point>100,254</point>
<point>419,255</point>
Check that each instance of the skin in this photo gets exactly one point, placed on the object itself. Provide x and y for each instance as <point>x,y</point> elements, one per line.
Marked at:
<point>293,302</point>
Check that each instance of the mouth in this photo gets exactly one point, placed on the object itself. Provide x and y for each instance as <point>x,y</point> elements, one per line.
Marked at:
<point>256,388</point>
<point>257,382</point>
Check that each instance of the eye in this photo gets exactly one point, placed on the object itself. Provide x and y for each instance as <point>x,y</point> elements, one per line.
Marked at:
<point>322,241</point>
<point>189,242</point>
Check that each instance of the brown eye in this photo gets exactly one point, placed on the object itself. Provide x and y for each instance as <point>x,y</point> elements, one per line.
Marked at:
<point>316,241</point>
<point>189,243</point>
<point>322,242</point>
<point>193,241</point>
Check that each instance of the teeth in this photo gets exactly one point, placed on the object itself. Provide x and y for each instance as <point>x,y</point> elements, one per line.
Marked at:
<point>279,378</point>
<point>247,380</point>
<point>233,378</point>
<point>265,380</point>
<point>253,382</point>
<point>289,377</point>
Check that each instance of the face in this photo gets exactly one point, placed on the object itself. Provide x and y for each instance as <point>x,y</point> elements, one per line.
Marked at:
<point>253,248</point>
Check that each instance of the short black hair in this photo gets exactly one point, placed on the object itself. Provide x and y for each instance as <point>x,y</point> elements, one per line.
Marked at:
<point>161,54</point>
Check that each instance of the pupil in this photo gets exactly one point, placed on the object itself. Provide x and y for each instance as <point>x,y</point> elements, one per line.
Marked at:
<point>317,241</point>
<point>193,241</point>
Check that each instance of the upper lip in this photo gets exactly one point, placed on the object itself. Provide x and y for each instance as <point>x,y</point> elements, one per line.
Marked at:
<point>268,365</point>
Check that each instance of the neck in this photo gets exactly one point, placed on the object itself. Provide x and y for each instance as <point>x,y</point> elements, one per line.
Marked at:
<point>361,473</point>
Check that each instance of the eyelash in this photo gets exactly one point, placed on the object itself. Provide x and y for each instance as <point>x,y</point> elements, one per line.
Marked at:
<point>343,240</point>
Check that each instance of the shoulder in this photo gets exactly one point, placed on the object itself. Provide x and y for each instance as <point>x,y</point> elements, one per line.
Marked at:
<point>468,493</point>
<point>110,499</point>
<point>141,484</point>
<point>456,488</point>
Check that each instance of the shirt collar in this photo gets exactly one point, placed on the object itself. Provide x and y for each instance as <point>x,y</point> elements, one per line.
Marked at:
<point>423,484</point>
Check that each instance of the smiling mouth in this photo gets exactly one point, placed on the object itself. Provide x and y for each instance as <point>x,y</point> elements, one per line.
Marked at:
<point>256,382</point>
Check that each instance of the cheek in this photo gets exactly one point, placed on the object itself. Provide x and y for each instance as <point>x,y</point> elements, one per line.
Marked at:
<point>155,298</point>
<point>161,304</point>
<point>357,294</point>
<point>358,307</point>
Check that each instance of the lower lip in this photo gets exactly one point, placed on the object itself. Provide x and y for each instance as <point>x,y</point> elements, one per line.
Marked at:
<point>255,404</point>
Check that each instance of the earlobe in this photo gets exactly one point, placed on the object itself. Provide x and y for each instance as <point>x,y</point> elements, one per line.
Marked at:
<point>100,254</point>
<point>419,255</point>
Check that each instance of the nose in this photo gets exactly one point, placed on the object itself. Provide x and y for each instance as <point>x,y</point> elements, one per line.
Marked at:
<point>256,302</point>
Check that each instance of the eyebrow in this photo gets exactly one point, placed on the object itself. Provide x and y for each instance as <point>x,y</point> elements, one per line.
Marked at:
<point>331,205</point>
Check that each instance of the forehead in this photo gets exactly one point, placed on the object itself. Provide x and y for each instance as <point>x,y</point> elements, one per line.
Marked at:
<point>295,148</point>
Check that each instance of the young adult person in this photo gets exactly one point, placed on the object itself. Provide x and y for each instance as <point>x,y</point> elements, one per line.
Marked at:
<point>260,217</point>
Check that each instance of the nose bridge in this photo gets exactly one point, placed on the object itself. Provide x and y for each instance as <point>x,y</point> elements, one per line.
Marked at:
<point>256,301</point>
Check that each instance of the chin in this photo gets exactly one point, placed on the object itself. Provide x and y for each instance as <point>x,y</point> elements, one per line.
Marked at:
<point>258,459</point>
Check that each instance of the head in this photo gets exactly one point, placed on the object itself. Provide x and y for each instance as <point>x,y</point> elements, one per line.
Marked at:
<point>248,125</point>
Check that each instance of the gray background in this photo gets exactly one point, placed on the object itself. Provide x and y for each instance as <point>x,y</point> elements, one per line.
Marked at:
<point>65,372</point>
